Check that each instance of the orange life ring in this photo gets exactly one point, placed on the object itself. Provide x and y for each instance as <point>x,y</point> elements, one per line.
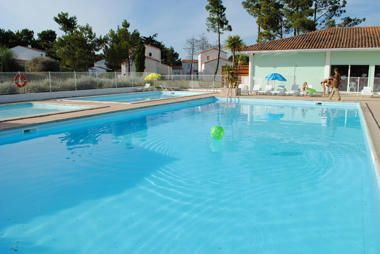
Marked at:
<point>18,84</point>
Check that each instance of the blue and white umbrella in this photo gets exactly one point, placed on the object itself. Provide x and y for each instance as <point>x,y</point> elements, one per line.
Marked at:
<point>275,76</point>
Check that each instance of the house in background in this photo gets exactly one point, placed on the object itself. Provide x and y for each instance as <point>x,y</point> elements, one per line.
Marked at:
<point>312,57</point>
<point>152,63</point>
<point>186,64</point>
<point>177,70</point>
<point>207,61</point>
<point>99,67</point>
<point>24,54</point>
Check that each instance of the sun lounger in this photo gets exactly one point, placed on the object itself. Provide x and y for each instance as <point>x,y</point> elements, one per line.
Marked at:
<point>367,91</point>
<point>280,90</point>
<point>294,91</point>
<point>165,87</point>
<point>267,90</point>
<point>255,89</point>
<point>147,86</point>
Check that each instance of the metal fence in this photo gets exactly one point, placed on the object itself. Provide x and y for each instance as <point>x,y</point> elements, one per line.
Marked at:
<point>39,82</point>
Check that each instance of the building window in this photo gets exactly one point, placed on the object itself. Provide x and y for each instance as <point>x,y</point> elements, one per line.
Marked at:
<point>208,57</point>
<point>42,54</point>
<point>188,66</point>
<point>150,54</point>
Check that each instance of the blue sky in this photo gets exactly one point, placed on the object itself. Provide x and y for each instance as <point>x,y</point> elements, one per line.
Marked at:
<point>174,21</point>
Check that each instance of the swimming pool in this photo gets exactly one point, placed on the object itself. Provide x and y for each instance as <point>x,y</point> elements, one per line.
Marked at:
<point>22,110</point>
<point>138,97</point>
<point>290,178</point>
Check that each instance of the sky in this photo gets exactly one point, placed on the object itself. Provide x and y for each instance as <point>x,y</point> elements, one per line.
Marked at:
<point>174,21</point>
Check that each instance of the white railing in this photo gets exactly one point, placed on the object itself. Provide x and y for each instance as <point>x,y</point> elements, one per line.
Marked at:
<point>40,82</point>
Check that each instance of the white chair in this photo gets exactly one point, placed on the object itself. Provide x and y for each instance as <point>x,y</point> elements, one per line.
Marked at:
<point>367,91</point>
<point>165,87</point>
<point>147,85</point>
<point>280,90</point>
<point>267,90</point>
<point>255,89</point>
<point>294,91</point>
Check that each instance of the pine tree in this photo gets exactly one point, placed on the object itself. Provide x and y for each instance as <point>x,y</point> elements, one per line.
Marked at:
<point>140,57</point>
<point>217,22</point>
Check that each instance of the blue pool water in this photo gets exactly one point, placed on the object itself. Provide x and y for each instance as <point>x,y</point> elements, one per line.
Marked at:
<point>137,97</point>
<point>284,179</point>
<point>27,109</point>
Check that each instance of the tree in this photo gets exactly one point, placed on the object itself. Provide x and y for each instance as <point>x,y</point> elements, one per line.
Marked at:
<point>45,41</point>
<point>233,43</point>
<point>217,22</point>
<point>120,46</point>
<point>190,48</point>
<point>8,61</point>
<point>298,14</point>
<point>168,55</point>
<point>41,64</point>
<point>68,24</point>
<point>77,47</point>
<point>140,57</point>
<point>202,43</point>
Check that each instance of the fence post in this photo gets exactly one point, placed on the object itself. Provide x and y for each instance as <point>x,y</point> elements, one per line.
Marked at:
<point>132,80</point>
<point>115,80</point>
<point>75,80</point>
<point>50,81</point>
<point>97,80</point>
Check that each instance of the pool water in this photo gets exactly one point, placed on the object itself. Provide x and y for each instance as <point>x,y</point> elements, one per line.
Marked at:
<point>138,97</point>
<point>284,179</point>
<point>27,109</point>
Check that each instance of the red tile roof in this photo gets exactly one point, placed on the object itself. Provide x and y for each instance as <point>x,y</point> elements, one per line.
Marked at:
<point>177,67</point>
<point>209,50</point>
<point>215,59</point>
<point>152,46</point>
<point>189,61</point>
<point>331,38</point>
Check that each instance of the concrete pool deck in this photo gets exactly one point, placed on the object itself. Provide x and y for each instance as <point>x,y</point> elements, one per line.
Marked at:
<point>370,108</point>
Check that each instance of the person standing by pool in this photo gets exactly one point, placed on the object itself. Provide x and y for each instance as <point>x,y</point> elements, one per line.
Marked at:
<point>326,83</point>
<point>336,83</point>
<point>304,87</point>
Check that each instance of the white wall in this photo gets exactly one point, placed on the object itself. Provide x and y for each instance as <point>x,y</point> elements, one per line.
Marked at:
<point>27,54</point>
<point>209,68</point>
<point>211,54</point>
<point>165,69</point>
<point>186,69</point>
<point>153,52</point>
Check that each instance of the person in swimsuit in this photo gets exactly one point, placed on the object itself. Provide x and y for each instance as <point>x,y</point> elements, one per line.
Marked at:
<point>304,87</point>
<point>326,83</point>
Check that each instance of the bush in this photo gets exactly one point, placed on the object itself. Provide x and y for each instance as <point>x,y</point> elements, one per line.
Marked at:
<point>8,62</point>
<point>41,64</point>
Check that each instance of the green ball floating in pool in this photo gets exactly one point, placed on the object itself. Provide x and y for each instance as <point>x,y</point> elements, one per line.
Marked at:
<point>217,132</point>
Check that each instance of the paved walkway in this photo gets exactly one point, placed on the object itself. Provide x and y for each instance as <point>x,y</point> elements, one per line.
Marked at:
<point>370,108</point>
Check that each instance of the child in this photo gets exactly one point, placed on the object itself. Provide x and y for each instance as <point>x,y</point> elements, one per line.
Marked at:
<point>304,87</point>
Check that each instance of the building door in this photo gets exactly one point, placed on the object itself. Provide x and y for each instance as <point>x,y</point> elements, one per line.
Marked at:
<point>354,77</point>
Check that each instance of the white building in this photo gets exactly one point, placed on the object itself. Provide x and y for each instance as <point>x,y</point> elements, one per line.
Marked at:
<point>152,62</point>
<point>186,64</point>
<point>24,54</point>
<point>207,61</point>
<point>99,67</point>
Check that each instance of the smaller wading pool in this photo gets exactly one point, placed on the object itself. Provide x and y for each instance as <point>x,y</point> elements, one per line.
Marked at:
<point>138,97</point>
<point>26,110</point>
